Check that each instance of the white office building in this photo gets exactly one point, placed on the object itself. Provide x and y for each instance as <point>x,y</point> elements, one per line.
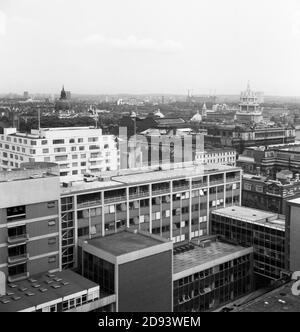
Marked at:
<point>224,156</point>
<point>77,150</point>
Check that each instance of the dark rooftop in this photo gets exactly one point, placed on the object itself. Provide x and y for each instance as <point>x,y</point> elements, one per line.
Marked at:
<point>279,300</point>
<point>125,242</point>
<point>42,288</point>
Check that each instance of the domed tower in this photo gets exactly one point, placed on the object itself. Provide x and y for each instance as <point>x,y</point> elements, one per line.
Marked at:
<point>158,114</point>
<point>197,118</point>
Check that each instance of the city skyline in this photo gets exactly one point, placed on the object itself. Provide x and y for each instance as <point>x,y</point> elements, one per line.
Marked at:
<point>149,47</point>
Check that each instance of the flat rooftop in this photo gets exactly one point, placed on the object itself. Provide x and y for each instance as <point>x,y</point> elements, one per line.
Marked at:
<point>260,217</point>
<point>125,242</point>
<point>30,171</point>
<point>279,300</point>
<point>206,257</point>
<point>42,288</point>
<point>295,201</point>
<point>128,178</point>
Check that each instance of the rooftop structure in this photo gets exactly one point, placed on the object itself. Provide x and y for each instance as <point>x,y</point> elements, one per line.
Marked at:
<point>60,291</point>
<point>262,230</point>
<point>278,300</point>
<point>126,242</point>
<point>253,216</point>
<point>208,274</point>
<point>200,257</point>
<point>134,265</point>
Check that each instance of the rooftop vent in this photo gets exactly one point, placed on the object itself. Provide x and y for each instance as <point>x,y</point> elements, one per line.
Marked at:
<point>16,298</point>
<point>50,275</point>
<point>55,286</point>
<point>43,290</point>
<point>29,294</point>
<point>36,286</point>
<point>12,285</point>
<point>23,289</point>
<point>48,282</point>
<point>4,301</point>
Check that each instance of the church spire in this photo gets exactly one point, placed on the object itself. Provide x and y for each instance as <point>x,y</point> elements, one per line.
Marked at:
<point>63,94</point>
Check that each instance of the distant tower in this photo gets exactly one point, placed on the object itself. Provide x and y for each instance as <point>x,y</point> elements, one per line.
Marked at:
<point>26,95</point>
<point>250,110</point>
<point>62,104</point>
<point>204,110</point>
<point>63,95</point>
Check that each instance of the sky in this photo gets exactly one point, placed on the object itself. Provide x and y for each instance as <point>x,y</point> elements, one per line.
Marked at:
<point>150,46</point>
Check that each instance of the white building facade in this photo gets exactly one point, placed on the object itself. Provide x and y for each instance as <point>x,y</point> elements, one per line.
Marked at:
<point>77,150</point>
<point>217,156</point>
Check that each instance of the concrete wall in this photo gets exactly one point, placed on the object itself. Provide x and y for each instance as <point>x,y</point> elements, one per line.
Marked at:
<point>29,191</point>
<point>146,284</point>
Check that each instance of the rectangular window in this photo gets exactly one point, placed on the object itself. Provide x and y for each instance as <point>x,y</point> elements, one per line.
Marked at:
<point>50,205</point>
<point>52,240</point>
<point>52,259</point>
<point>58,141</point>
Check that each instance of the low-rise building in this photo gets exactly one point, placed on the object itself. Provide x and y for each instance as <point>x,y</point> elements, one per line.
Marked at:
<point>262,230</point>
<point>135,267</point>
<point>64,291</point>
<point>224,156</point>
<point>262,193</point>
<point>208,274</point>
<point>270,160</point>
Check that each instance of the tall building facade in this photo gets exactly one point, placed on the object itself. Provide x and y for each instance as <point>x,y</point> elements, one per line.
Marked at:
<point>29,221</point>
<point>77,150</point>
<point>172,203</point>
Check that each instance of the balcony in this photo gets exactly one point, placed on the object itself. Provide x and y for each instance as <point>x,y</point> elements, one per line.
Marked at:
<point>233,179</point>
<point>199,185</point>
<point>18,259</point>
<point>181,188</point>
<point>18,277</point>
<point>161,191</point>
<point>114,199</point>
<point>16,217</point>
<point>138,195</point>
<point>17,239</point>
<point>96,158</point>
<point>89,204</point>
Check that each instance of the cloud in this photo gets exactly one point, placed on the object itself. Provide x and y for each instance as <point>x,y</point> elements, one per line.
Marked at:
<point>131,43</point>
